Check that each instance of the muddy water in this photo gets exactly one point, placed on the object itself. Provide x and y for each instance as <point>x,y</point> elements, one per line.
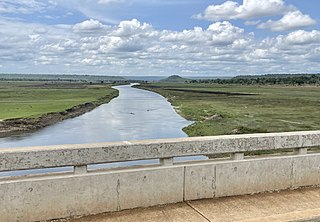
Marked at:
<point>135,115</point>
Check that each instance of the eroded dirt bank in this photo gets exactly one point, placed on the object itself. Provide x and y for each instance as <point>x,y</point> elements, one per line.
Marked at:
<point>18,126</point>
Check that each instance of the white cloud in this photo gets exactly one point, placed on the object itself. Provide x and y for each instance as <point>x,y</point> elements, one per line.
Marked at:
<point>224,32</point>
<point>248,10</point>
<point>219,33</point>
<point>133,47</point>
<point>252,22</point>
<point>88,26</point>
<point>302,37</point>
<point>23,6</point>
<point>115,11</point>
<point>127,28</point>
<point>106,2</point>
<point>291,20</point>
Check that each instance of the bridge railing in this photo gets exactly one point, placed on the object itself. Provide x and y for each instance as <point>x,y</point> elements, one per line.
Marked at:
<point>80,156</point>
<point>47,196</point>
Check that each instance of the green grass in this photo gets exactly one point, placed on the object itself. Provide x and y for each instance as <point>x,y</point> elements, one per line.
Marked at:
<point>270,109</point>
<point>33,99</point>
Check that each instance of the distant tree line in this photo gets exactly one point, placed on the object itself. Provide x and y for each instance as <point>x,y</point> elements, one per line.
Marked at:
<point>60,78</point>
<point>271,79</point>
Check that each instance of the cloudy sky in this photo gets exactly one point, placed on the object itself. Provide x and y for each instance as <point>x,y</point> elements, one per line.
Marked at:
<point>160,37</point>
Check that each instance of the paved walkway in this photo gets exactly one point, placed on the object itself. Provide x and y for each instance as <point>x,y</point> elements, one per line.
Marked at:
<point>297,205</point>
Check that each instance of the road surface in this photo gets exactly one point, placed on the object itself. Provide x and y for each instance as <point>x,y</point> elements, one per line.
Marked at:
<point>293,205</point>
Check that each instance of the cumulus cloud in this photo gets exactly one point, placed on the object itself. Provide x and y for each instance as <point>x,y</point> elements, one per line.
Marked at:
<point>252,9</point>
<point>248,10</point>
<point>88,26</point>
<point>219,33</point>
<point>127,28</point>
<point>224,32</point>
<point>134,47</point>
<point>302,37</point>
<point>291,20</point>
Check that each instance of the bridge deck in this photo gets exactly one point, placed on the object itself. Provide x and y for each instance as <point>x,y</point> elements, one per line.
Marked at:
<point>295,205</point>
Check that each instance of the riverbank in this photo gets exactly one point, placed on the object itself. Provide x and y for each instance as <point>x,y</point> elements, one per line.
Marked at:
<point>29,106</point>
<point>237,109</point>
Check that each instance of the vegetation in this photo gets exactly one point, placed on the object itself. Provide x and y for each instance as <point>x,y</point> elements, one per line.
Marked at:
<point>33,99</point>
<point>271,79</point>
<point>61,78</point>
<point>174,79</point>
<point>234,109</point>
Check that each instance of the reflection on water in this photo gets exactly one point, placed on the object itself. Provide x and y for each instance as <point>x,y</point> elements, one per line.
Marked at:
<point>135,115</point>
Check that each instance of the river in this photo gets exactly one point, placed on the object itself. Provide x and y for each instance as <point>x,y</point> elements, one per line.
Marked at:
<point>134,115</point>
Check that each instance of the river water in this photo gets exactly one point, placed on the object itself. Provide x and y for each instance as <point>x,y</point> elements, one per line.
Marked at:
<point>134,115</point>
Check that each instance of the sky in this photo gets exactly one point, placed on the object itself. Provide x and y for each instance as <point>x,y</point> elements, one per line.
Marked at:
<point>160,37</point>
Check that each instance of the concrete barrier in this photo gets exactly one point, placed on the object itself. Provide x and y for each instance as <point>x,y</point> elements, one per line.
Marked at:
<point>83,192</point>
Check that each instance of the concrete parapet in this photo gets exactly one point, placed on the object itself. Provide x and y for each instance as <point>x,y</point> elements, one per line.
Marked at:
<point>62,196</point>
<point>85,154</point>
<point>83,192</point>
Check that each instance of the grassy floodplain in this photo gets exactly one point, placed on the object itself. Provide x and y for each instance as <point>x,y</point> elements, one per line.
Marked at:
<point>262,108</point>
<point>34,99</point>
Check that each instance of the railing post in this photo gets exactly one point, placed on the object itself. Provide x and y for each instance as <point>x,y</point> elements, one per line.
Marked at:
<point>237,156</point>
<point>300,151</point>
<point>166,161</point>
<point>80,169</point>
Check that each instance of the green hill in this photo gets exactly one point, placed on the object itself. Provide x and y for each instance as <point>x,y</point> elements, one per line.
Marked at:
<point>175,79</point>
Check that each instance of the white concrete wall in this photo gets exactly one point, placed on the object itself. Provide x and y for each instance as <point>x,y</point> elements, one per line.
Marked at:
<point>65,195</point>
<point>34,198</point>
<point>84,154</point>
<point>52,197</point>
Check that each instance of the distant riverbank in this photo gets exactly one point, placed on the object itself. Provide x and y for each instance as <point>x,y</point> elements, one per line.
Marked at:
<point>134,115</point>
<point>219,109</point>
<point>42,104</point>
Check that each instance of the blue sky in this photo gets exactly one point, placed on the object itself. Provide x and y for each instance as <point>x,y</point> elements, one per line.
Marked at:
<point>160,37</point>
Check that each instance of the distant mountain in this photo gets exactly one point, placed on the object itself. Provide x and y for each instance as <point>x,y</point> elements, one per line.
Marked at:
<point>175,79</point>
